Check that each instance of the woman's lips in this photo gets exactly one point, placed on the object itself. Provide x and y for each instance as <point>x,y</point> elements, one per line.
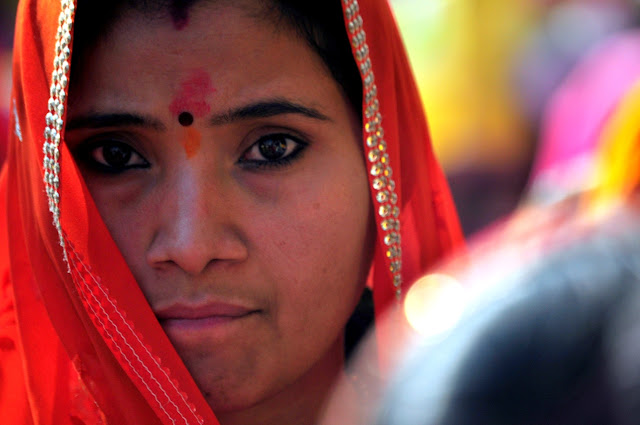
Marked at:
<point>200,317</point>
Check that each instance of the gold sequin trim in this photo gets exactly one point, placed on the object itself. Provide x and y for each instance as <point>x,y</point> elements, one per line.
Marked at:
<point>55,114</point>
<point>383,185</point>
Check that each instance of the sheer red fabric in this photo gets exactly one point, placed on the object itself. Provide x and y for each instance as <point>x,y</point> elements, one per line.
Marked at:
<point>79,344</point>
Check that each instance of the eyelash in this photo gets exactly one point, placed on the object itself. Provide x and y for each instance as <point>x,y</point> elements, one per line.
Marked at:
<point>86,152</point>
<point>284,161</point>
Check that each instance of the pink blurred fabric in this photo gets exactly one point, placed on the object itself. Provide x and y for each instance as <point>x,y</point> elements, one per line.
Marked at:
<point>577,111</point>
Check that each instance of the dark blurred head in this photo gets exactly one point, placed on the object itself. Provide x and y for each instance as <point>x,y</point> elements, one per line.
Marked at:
<point>559,347</point>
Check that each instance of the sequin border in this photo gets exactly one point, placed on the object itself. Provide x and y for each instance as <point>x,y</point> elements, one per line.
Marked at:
<point>138,361</point>
<point>55,115</point>
<point>383,187</point>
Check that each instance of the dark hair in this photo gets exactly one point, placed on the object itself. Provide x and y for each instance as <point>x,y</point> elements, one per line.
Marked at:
<point>319,23</point>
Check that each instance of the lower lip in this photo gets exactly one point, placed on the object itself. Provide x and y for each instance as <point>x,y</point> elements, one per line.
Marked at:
<point>201,324</point>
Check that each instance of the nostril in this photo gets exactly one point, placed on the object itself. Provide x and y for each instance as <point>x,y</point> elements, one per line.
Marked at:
<point>193,250</point>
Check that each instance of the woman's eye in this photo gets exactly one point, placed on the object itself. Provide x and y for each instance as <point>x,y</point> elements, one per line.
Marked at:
<point>273,150</point>
<point>113,156</point>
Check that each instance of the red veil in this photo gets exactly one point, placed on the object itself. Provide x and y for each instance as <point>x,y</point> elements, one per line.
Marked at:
<point>78,341</point>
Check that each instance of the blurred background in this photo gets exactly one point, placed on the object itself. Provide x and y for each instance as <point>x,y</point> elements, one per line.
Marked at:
<point>7,17</point>
<point>488,71</point>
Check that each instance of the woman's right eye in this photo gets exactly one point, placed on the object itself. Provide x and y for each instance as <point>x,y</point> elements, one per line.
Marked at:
<point>112,156</point>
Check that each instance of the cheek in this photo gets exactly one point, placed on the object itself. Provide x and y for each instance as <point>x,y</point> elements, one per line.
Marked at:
<point>127,219</point>
<point>318,242</point>
<point>309,217</point>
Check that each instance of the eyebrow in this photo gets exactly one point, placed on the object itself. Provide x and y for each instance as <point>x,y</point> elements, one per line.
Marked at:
<point>262,109</point>
<point>266,109</point>
<point>96,121</point>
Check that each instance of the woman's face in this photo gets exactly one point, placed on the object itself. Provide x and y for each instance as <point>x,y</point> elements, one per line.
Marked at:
<point>226,163</point>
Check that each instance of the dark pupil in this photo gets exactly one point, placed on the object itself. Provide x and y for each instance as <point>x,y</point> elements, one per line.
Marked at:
<point>116,155</point>
<point>273,148</point>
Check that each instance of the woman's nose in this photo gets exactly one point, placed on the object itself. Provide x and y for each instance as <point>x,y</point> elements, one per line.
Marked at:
<point>198,223</point>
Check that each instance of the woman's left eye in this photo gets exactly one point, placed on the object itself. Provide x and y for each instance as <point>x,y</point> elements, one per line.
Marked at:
<point>273,150</point>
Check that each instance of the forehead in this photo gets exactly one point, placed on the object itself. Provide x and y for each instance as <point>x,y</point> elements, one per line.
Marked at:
<point>191,27</point>
<point>213,30</point>
<point>180,12</point>
<point>145,59</point>
<point>97,22</point>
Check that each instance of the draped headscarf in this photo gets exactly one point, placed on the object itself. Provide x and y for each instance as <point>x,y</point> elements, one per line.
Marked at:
<point>79,344</point>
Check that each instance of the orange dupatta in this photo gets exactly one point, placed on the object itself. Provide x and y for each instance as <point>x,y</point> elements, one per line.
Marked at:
<point>79,344</point>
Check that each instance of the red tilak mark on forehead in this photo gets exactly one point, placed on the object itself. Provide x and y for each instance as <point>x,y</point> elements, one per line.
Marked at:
<point>192,96</point>
<point>191,141</point>
<point>180,22</point>
<point>179,11</point>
